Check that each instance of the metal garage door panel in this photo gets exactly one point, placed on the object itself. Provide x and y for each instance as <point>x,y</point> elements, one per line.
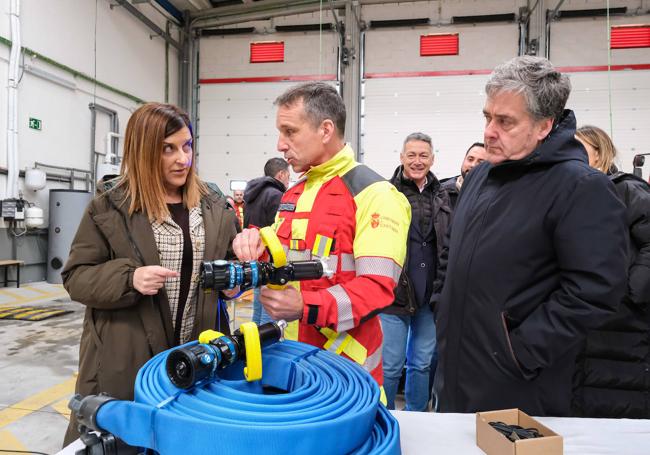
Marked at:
<point>240,126</point>
<point>620,79</point>
<point>234,162</point>
<point>448,108</point>
<point>237,130</point>
<point>237,125</point>
<point>630,108</point>
<point>244,108</point>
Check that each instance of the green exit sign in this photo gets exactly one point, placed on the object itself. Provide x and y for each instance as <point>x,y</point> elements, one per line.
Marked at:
<point>35,123</point>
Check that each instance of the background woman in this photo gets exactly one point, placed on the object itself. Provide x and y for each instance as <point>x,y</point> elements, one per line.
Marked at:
<point>135,259</point>
<point>614,379</point>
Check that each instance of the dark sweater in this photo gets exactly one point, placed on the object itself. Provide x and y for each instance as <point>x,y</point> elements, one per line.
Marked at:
<point>262,198</point>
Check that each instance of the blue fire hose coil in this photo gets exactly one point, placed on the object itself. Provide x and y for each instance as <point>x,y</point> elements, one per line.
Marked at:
<point>331,407</point>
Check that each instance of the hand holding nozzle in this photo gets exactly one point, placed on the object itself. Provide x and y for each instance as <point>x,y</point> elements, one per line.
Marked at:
<point>220,275</point>
<point>276,274</point>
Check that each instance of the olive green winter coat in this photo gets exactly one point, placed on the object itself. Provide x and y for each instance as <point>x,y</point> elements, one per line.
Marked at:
<point>122,328</point>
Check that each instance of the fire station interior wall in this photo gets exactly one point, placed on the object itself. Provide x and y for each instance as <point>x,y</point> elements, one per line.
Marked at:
<point>236,126</point>
<point>447,106</point>
<point>389,50</point>
<point>630,109</point>
<point>583,42</point>
<point>305,53</point>
<point>449,109</point>
<point>126,58</point>
<point>238,133</point>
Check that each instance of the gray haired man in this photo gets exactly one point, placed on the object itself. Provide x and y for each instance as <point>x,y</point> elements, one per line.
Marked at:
<point>537,253</point>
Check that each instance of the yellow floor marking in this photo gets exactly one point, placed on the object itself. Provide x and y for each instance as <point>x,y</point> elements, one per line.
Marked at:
<point>36,402</point>
<point>40,291</point>
<point>15,295</point>
<point>62,408</point>
<point>22,314</point>
<point>9,442</point>
<point>16,310</point>
<point>34,299</point>
<point>45,314</point>
<point>41,312</point>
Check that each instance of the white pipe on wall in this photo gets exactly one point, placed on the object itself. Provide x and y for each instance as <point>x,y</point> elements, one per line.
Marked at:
<point>12,101</point>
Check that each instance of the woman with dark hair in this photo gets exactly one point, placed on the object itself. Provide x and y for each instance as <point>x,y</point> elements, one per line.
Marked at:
<point>613,378</point>
<point>135,259</point>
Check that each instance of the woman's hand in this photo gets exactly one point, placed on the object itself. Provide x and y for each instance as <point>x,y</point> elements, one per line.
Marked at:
<point>248,245</point>
<point>147,280</point>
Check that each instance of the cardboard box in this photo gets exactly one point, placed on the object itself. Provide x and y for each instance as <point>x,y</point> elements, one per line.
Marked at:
<point>494,443</point>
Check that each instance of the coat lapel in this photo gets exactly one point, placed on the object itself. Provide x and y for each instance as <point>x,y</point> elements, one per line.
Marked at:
<point>154,311</point>
<point>213,226</point>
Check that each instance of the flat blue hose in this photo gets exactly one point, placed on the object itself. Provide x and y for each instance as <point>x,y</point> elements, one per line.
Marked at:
<point>331,407</point>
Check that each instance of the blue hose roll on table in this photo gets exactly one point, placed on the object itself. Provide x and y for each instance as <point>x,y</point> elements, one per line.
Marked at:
<point>331,407</point>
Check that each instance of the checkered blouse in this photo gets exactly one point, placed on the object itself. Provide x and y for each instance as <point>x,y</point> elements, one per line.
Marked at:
<point>169,240</point>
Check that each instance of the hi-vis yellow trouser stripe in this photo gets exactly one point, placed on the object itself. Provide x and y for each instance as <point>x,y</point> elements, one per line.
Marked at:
<point>342,342</point>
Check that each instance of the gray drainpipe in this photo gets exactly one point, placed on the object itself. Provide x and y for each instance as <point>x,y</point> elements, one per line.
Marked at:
<point>115,128</point>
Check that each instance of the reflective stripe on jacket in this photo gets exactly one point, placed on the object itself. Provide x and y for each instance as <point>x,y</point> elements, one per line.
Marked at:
<point>349,214</point>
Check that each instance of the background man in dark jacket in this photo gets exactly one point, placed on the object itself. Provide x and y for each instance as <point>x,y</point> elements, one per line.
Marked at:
<point>474,156</point>
<point>409,317</point>
<point>537,253</point>
<point>262,198</point>
<point>263,194</point>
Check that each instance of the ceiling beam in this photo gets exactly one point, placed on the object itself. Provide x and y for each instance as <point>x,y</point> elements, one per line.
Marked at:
<point>149,23</point>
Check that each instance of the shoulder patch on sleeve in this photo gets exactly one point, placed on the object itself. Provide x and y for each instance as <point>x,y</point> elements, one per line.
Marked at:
<point>359,178</point>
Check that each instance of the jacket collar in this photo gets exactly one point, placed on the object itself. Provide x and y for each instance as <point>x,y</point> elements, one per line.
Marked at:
<point>339,164</point>
<point>400,180</point>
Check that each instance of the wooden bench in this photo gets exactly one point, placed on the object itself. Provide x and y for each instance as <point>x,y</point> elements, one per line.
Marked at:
<point>6,263</point>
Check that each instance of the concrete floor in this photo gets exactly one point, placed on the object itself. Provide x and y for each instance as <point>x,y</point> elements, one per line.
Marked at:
<point>38,365</point>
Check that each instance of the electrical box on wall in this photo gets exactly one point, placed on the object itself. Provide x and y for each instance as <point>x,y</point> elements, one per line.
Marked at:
<point>9,209</point>
<point>13,209</point>
<point>19,213</point>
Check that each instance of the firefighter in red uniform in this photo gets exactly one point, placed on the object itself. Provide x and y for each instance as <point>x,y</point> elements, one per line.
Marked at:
<point>339,210</point>
<point>238,206</point>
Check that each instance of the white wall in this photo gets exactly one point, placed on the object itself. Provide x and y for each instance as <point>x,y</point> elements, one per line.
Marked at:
<point>583,42</point>
<point>449,107</point>
<point>236,131</point>
<point>440,11</point>
<point>446,107</point>
<point>64,31</point>
<point>237,120</point>
<point>630,109</point>
<point>305,54</point>
<point>398,49</point>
